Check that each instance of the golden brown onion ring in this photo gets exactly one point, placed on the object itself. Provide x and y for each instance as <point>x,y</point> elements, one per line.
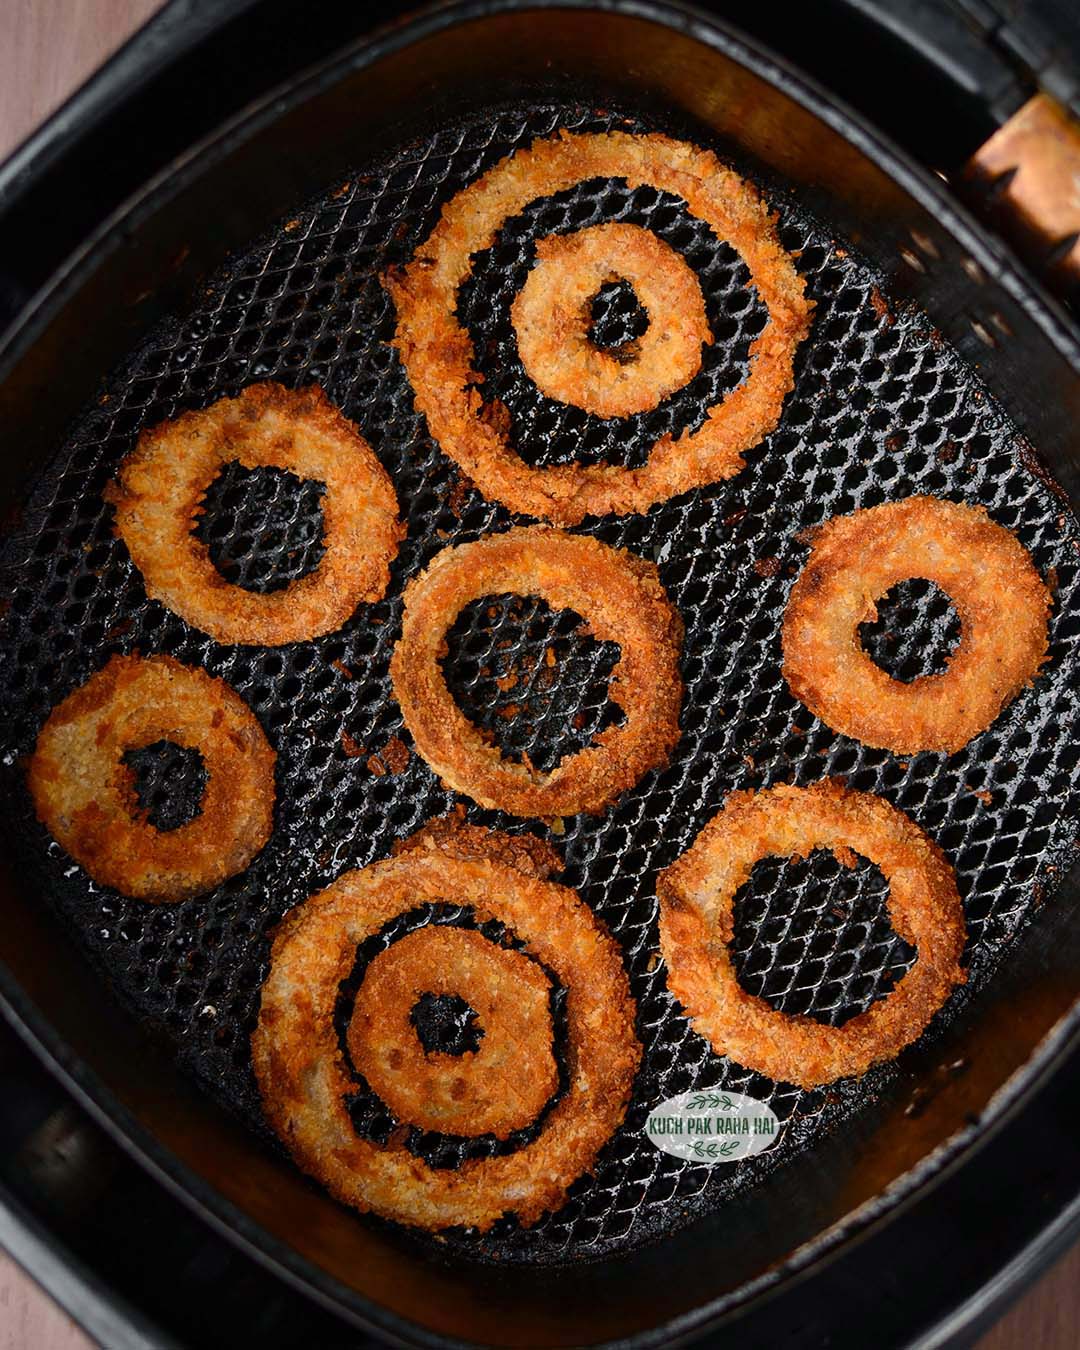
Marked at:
<point>498,1088</point>
<point>619,596</point>
<point>552,317</point>
<point>305,1081</point>
<point>1002,601</point>
<point>85,793</point>
<point>161,484</point>
<point>697,894</point>
<point>438,355</point>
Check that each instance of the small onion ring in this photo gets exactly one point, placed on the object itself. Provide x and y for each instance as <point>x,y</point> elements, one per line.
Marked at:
<point>304,1079</point>
<point>500,1087</point>
<point>161,484</point>
<point>988,575</point>
<point>85,793</point>
<point>697,894</point>
<point>552,317</point>
<point>438,353</point>
<point>622,600</point>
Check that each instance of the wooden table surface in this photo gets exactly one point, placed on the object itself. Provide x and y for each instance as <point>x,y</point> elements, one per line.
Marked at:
<point>47,48</point>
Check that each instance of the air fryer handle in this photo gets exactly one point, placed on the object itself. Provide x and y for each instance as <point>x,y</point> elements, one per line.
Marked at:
<point>1022,57</point>
<point>987,92</point>
<point>999,52</point>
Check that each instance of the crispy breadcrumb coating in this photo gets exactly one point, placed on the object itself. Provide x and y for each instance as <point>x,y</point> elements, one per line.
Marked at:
<point>552,317</point>
<point>84,792</point>
<point>697,894</point>
<point>160,488</point>
<point>854,560</point>
<point>305,1081</point>
<point>499,1087</point>
<point>438,354</point>
<point>620,597</point>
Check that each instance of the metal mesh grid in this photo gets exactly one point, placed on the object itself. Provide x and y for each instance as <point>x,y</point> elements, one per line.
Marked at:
<point>882,409</point>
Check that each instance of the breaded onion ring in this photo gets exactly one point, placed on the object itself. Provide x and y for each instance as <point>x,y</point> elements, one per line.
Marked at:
<point>552,317</point>
<point>84,792</point>
<point>500,1087</point>
<point>1002,602</point>
<point>304,1079</point>
<point>438,355</point>
<point>697,894</point>
<point>620,597</point>
<point>161,484</point>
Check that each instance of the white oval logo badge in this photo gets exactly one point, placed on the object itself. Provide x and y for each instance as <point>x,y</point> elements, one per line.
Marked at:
<point>711,1126</point>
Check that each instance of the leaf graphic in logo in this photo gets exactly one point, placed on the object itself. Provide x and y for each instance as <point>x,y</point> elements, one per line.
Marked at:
<point>714,1150</point>
<point>711,1101</point>
<point>681,1126</point>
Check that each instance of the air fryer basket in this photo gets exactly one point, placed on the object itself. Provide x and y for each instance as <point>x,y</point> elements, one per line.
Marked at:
<point>884,406</point>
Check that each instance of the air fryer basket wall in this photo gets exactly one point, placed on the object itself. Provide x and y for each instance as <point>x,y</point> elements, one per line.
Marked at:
<point>339,118</point>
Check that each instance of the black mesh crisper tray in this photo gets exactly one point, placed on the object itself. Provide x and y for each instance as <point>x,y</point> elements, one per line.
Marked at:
<point>882,408</point>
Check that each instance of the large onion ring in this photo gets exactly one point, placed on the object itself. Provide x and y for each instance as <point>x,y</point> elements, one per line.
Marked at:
<point>501,1086</point>
<point>552,317</point>
<point>305,1081</point>
<point>84,792</point>
<point>161,484</point>
<point>620,597</point>
<point>697,894</point>
<point>1002,601</point>
<point>439,358</point>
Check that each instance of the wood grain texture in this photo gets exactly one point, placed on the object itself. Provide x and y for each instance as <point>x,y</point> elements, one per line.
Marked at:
<point>1048,1315</point>
<point>28,1319</point>
<point>47,48</point>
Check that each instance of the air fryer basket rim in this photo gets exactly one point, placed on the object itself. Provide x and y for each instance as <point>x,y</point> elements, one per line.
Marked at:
<point>32,160</point>
<point>33,1025</point>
